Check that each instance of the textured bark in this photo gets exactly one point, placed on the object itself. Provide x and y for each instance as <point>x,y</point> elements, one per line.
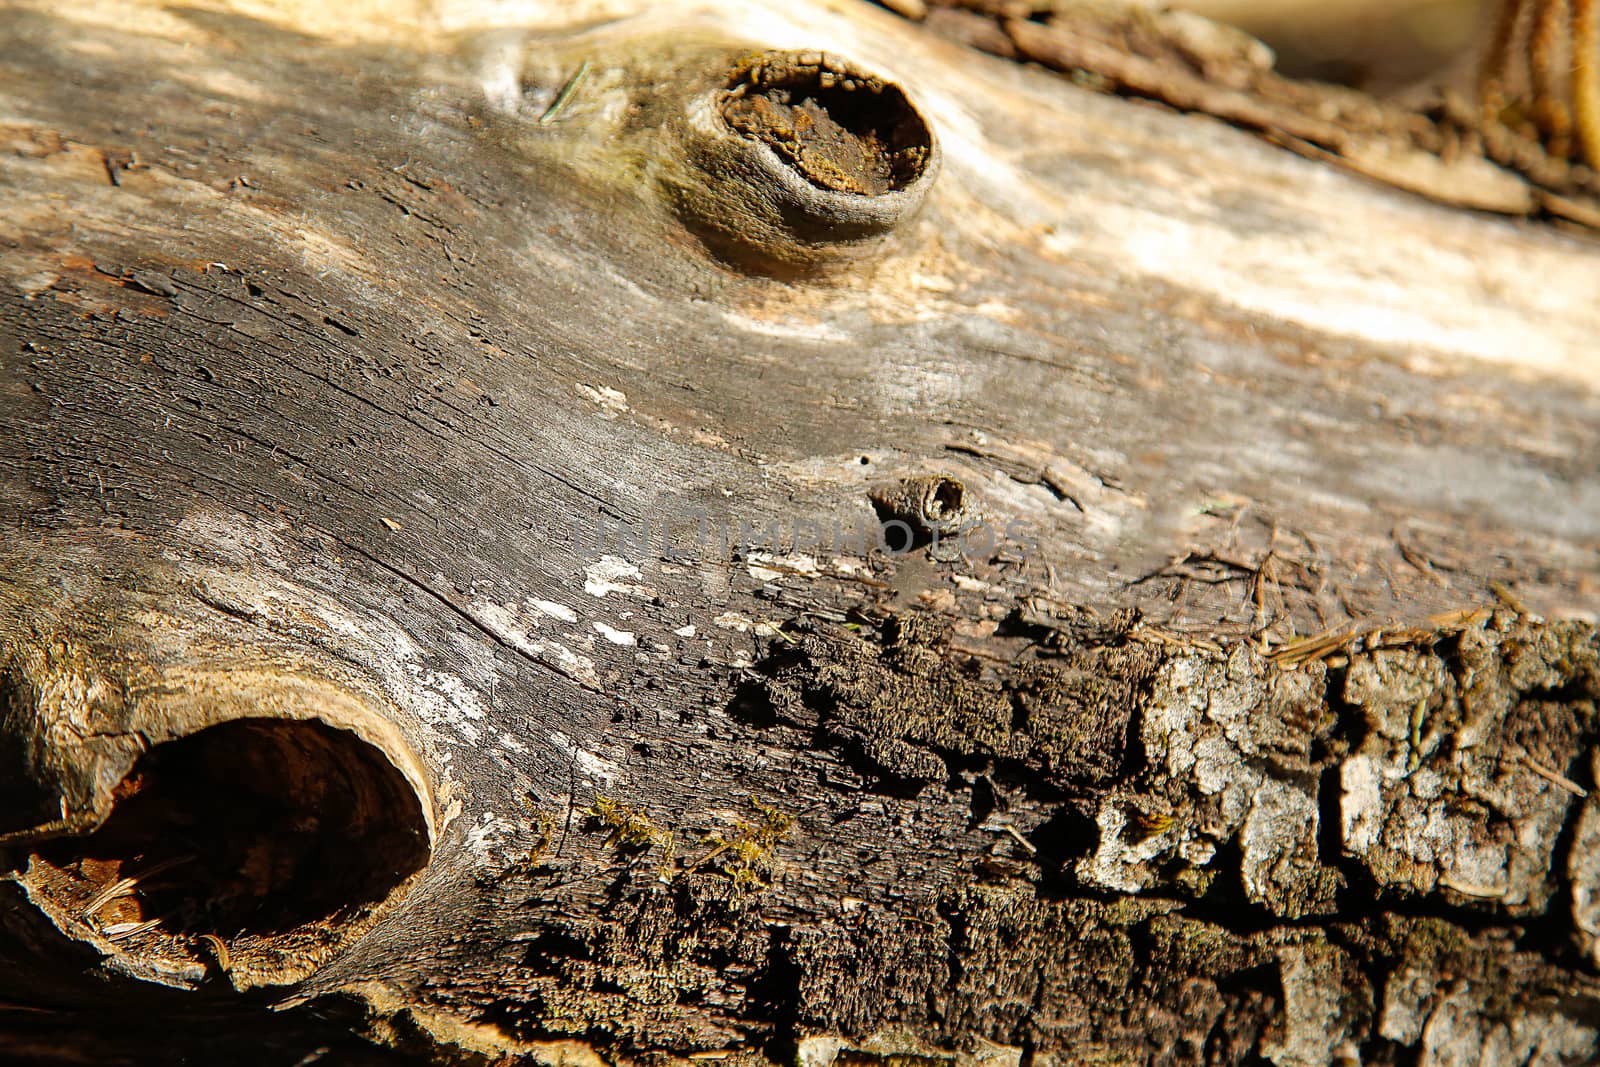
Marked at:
<point>405,429</point>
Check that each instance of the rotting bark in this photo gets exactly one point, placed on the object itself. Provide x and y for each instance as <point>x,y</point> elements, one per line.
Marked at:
<point>1237,701</point>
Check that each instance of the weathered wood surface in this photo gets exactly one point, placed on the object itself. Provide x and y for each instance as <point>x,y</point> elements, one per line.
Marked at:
<point>337,344</point>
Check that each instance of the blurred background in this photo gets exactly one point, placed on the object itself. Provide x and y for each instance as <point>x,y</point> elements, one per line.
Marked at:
<point>1378,45</point>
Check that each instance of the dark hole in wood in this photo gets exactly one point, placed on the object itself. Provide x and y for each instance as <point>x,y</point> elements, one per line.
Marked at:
<point>254,826</point>
<point>23,803</point>
<point>841,130</point>
<point>947,498</point>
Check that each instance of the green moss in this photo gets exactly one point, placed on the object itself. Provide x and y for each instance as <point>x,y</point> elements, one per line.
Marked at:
<point>629,828</point>
<point>745,852</point>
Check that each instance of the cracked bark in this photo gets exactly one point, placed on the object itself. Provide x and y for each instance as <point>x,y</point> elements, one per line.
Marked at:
<point>349,362</point>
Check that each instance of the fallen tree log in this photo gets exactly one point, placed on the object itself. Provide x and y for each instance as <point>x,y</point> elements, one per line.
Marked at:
<point>756,533</point>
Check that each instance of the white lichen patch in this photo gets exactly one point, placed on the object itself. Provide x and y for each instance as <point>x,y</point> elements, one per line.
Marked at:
<point>612,402</point>
<point>512,627</point>
<point>1436,798</point>
<point>1212,723</point>
<point>818,1051</point>
<point>1431,803</point>
<point>590,764</point>
<point>741,623</point>
<point>485,835</point>
<point>1361,804</point>
<point>772,567</point>
<point>788,327</point>
<point>613,574</point>
<point>1122,863</point>
<point>1311,1027</point>
<point>1454,1024</point>
<point>554,610</point>
<point>438,699</point>
<point>459,697</point>
<point>616,637</point>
